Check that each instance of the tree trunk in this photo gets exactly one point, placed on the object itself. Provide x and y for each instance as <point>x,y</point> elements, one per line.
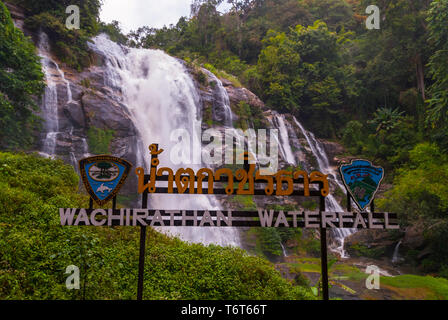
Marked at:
<point>420,76</point>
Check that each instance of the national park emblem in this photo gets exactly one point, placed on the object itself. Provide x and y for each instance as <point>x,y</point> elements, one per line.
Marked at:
<point>103,176</point>
<point>362,181</point>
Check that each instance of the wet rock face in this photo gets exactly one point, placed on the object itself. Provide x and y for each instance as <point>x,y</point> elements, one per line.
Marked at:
<point>237,94</point>
<point>74,113</point>
<point>106,113</point>
<point>413,238</point>
<point>371,243</point>
<point>83,102</point>
<point>333,149</point>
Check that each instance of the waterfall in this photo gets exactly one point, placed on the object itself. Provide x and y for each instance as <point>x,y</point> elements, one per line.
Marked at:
<point>330,201</point>
<point>283,249</point>
<point>53,75</point>
<point>222,112</point>
<point>284,137</point>
<point>396,258</point>
<point>284,144</point>
<point>221,109</point>
<point>161,98</point>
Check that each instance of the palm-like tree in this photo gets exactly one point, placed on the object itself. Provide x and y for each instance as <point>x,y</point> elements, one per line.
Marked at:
<point>386,119</point>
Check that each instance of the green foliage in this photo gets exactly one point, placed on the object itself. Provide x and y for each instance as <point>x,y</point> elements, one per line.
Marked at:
<point>248,116</point>
<point>222,74</point>
<point>353,136</point>
<point>70,46</point>
<point>309,205</point>
<point>302,72</point>
<point>360,250</point>
<point>35,249</point>
<point>386,119</point>
<point>99,140</point>
<point>268,243</point>
<point>420,194</point>
<point>388,137</point>
<point>438,287</point>
<point>113,30</point>
<point>21,79</point>
<point>419,188</point>
<point>312,247</point>
<point>437,115</point>
<point>89,10</point>
<point>244,202</point>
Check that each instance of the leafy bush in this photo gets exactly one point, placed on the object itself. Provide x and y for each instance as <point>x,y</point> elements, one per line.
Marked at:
<point>99,140</point>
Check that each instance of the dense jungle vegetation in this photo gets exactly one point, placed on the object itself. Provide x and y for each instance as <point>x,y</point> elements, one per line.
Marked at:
<point>382,93</point>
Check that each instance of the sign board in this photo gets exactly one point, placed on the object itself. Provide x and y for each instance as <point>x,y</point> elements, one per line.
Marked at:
<point>104,175</point>
<point>362,180</point>
<point>227,218</point>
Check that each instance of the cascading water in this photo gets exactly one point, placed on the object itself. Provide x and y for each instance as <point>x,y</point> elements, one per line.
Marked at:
<point>396,258</point>
<point>161,97</point>
<point>278,122</point>
<point>283,249</point>
<point>331,203</point>
<point>53,74</point>
<point>284,137</point>
<point>221,108</point>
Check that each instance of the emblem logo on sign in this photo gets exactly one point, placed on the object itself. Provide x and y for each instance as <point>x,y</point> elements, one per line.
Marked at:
<point>362,180</point>
<point>103,176</point>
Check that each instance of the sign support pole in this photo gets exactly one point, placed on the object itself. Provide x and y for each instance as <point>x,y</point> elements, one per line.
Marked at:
<point>141,258</point>
<point>323,254</point>
<point>141,263</point>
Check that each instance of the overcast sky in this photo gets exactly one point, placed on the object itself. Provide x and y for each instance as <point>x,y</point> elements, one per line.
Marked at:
<point>133,14</point>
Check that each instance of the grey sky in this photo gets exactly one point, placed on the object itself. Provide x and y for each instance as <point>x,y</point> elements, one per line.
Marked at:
<point>133,14</point>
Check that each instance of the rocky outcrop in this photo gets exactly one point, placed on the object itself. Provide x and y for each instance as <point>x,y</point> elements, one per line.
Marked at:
<point>371,243</point>
<point>334,151</point>
<point>238,94</point>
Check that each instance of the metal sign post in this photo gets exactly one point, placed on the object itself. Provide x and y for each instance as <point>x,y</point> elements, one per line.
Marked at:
<point>141,258</point>
<point>323,253</point>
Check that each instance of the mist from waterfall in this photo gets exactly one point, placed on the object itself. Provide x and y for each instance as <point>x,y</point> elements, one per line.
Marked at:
<point>161,98</point>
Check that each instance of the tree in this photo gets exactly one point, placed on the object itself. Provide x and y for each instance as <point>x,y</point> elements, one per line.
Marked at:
<point>303,72</point>
<point>438,64</point>
<point>21,81</point>
<point>70,46</point>
<point>386,119</point>
<point>113,30</point>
